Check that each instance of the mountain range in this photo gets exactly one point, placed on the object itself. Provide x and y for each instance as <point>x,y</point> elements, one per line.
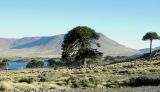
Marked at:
<point>50,46</point>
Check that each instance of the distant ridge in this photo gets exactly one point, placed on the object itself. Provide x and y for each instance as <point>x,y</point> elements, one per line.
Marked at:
<point>50,46</point>
<point>147,50</point>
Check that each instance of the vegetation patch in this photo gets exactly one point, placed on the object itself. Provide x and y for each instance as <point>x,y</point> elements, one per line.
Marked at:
<point>35,64</point>
<point>142,81</point>
<point>75,82</point>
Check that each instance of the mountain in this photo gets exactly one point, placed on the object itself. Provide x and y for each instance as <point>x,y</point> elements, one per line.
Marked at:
<point>50,46</point>
<point>147,50</point>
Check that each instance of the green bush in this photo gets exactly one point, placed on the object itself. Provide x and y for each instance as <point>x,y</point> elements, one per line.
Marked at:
<point>35,64</point>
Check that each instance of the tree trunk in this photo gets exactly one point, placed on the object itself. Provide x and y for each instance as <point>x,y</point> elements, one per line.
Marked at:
<point>150,47</point>
<point>84,64</point>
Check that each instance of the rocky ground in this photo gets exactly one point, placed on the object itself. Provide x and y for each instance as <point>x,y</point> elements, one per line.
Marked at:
<point>128,89</point>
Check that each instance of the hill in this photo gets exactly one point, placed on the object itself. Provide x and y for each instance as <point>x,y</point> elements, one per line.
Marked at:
<point>147,56</point>
<point>50,46</point>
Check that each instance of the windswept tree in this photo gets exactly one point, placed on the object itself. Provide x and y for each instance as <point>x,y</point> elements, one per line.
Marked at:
<point>77,45</point>
<point>151,36</point>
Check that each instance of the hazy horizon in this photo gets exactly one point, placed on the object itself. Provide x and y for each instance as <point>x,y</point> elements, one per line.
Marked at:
<point>124,21</point>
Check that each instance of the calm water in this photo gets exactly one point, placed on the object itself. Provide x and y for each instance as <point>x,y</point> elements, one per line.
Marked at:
<point>20,65</point>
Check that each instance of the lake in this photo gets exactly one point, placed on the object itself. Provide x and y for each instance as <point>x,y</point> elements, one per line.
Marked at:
<point>20,65</point>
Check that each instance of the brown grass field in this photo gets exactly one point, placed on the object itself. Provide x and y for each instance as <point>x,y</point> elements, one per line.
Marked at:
<point>108,77</point>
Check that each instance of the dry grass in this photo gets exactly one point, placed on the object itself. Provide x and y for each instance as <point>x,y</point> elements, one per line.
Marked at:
<point>107,76</point>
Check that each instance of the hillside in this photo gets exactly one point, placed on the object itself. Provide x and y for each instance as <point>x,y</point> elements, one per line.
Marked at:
<point>50,46</point>
<point>154,56</point>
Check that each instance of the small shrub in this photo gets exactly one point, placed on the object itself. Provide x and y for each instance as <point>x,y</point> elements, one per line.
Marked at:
<point>65,74</point>
<point>112,83</point>
<point>43,77</point>
<point>46,77</point>
<point>104,70</point>
<point>96,71</point>
<point>27,80</point>
<point>73,82</point>
<point>91,82</point>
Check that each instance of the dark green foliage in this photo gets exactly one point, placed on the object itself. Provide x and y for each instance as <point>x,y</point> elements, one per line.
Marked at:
<point>109,58</point>
<point>54,63</point>
<point>88,53</point>
<point>77,45</point>
<point>51,62</point>
<point>4,63</point>
<point>35,64</point>
<point>150,36</point>
<point>142,81</point>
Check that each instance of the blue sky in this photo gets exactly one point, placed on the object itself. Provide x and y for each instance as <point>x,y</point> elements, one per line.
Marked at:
<point>124,21</point>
